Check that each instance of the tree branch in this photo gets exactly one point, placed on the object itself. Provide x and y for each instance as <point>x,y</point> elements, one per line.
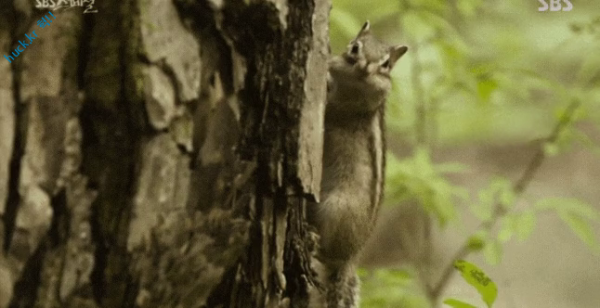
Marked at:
<point>499,211</point>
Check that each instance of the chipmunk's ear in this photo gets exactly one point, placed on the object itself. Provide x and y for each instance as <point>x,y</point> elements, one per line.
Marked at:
<point>365,29</point>
<point>396,52</point>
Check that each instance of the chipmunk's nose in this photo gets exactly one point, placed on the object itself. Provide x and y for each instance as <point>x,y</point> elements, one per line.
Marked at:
<point>371,67</point>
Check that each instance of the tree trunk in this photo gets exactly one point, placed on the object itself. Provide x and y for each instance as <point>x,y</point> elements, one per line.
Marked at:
<point>160,153</point>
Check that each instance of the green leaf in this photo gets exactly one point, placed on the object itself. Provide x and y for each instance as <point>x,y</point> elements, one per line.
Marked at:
<point>520,224</point>
<point>485,88</point>
<point>582,229</point>
<point>577,215</point>
<point>476,242</point>
<point>507,229</point>
<point>525,224</point>
<point>455,303</point>
<point>391,288</point>
<point>479,280</point>
<point>499,191</point>
<point>417,178</point>
<point>569,205</point>
<point>492,252</point>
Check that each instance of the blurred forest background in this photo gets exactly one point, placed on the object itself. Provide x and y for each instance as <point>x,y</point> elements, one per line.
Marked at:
<point>494,151</point>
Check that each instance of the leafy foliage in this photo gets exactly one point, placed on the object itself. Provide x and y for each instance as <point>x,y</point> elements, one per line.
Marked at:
<point>417,177</point>
<point>474,276</point>
<point>578,216</point>
<point>401,289</point>
<point>480,73</point>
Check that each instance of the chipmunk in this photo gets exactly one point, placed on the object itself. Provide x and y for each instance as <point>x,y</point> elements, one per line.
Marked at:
<point>353,162</point>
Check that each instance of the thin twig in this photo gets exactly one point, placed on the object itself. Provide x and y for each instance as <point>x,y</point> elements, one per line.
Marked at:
<point>499,210</point>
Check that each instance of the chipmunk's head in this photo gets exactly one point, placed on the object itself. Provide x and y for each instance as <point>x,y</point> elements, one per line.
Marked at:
<point>370,56</point>
<point>364,68</point>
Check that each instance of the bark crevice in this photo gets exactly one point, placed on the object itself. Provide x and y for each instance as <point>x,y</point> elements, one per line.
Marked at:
<point>13,198</point>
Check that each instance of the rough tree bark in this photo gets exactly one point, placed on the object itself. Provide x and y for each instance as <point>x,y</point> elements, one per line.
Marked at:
<point>160,153</point>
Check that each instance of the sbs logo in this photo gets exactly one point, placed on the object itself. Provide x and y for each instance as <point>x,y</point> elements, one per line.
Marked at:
<point>555,5</point>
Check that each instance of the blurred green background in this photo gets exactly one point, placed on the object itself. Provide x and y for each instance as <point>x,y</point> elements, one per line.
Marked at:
<point>487,91</point>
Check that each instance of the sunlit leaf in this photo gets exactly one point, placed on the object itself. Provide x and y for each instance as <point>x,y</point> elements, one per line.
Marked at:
<point>474,276</point>
<point>455,303</point>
